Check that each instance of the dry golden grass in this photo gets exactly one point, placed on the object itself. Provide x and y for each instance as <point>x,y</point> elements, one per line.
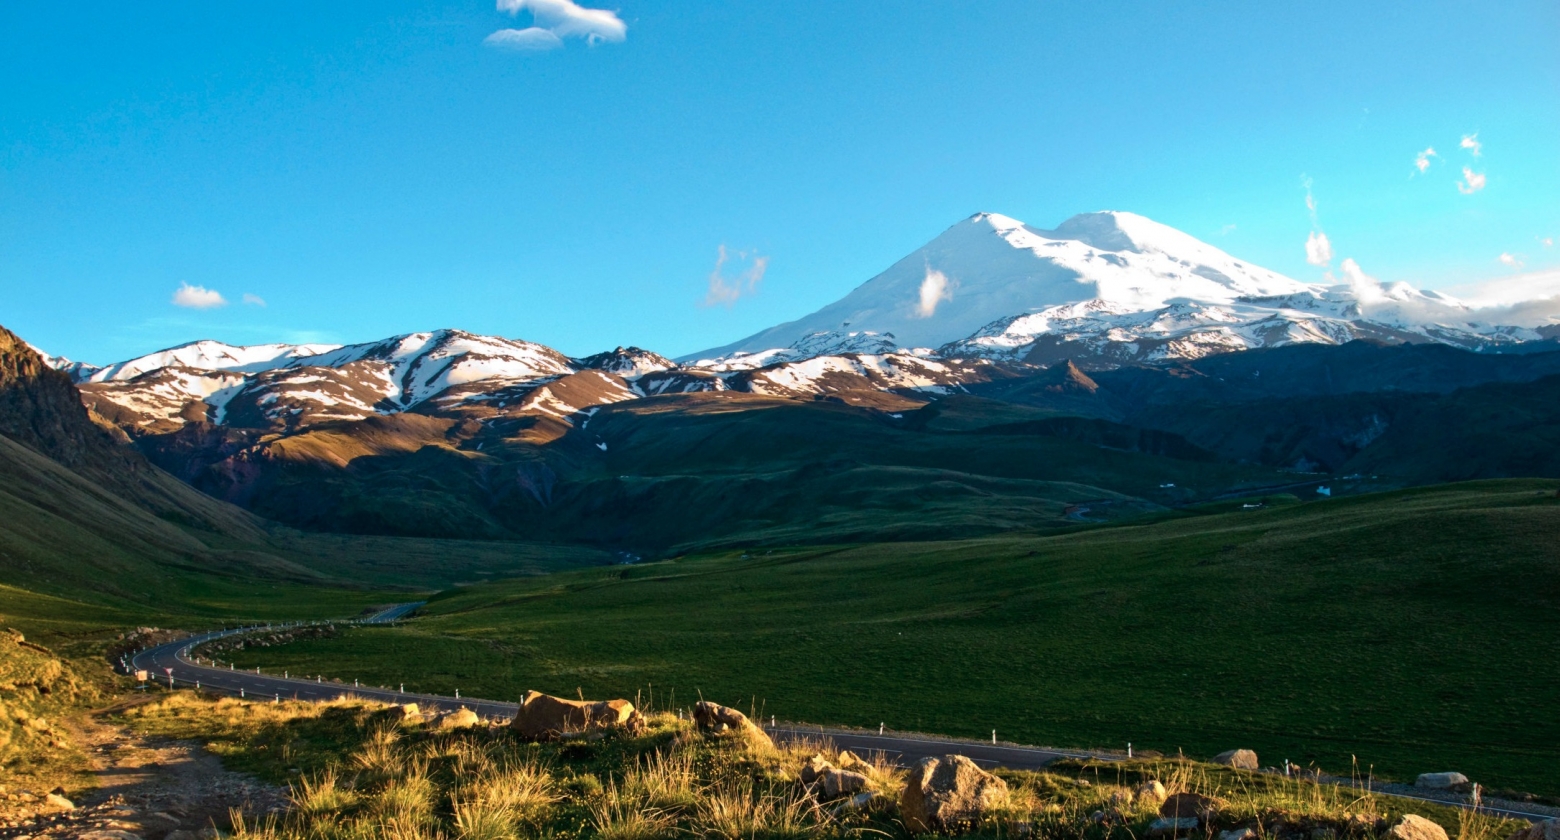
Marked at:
<point>418,783</point>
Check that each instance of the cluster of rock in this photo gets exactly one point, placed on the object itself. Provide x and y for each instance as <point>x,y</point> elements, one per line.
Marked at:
<point>215,648</point>
<point>543,717</point>
<point>719,721</point>
<point>58,817</point>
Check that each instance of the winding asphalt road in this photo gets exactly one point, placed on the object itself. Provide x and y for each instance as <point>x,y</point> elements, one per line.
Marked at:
<point>169,664</point>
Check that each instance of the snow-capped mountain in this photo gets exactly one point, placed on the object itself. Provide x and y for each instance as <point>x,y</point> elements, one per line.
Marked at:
<point>1108,288</point>
<point>989,298</point>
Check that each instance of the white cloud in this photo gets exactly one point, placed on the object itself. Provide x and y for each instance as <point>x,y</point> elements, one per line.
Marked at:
<point>726,291</point>
<point>198,297</point>
<point>1227,230</point>
<point>1523,300</point>
<point>253,300</point>
<point>1546,241</point>
<point>535,39</point>
<point>1318,250</point>
<point>935,288</point>
<point>1471,183</point>
<point>1472,144</point>
<point>552,21</point>
<point>1511,260</point>
<point>1422,162</point>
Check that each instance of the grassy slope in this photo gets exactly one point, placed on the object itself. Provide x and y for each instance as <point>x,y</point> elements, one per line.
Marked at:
<point>65,534</point>
<point>1416,629</point>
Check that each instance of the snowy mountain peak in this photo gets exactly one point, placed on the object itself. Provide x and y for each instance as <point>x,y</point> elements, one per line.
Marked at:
<point>210,356</point>
<point>990,267</point>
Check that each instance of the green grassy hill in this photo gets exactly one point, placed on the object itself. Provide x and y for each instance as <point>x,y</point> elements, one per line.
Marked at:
<point>1415,629</point>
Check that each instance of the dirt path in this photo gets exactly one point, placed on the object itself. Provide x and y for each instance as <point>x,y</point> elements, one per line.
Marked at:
<point>146,788</point>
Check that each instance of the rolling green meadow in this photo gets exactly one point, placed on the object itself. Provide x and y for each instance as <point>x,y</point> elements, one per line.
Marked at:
<point>1415,630</point>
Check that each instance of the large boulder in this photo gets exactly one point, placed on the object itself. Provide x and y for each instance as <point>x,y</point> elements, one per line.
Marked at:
<point>1151,791</point>
<point>837,783</point>
<point>462,718</point>
<point>1189,806</point>
<point>1239,759</point>
<point>723,721</point>
<point>947,794</point>
<point>1546,830</point>
<point>1443,781</point>
<point>1414,827</point>
<point>543,717</point>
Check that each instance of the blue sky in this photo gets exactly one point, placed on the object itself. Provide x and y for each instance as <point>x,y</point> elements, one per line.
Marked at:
<point>368,169</point>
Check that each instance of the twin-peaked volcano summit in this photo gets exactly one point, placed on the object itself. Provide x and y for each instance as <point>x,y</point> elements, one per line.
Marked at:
<point>1108,288</point>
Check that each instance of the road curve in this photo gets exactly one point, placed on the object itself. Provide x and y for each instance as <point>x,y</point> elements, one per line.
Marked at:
<point>169,664</point>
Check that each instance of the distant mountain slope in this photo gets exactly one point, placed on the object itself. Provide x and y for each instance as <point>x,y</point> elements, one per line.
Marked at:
<point>85,515</point>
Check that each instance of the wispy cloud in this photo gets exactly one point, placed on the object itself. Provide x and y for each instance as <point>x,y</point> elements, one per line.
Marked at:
<point>198,297</point>
<point>935,288</point>
<point>1546,241</point>
<point>1227,230</point>
<point>1471,183</point>
<point>1318,250</point>
<point>1422,160</point>
<point>1511,260</point>
<point>1472,144</point>
<point>553,21</point>
<point>726,290</point>
<point>253,300</point>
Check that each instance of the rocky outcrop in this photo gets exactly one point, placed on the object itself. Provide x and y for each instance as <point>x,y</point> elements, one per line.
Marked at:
<point>948,794</point>
<point>1414,827</point>
<point>1239,759</point>
<point>719,721</point>
<point>543,717</point>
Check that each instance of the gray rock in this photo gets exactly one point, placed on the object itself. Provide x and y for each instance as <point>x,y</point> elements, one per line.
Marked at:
<point>837,783</point>
<point>1442,781</point>
<point>1414,827</point>
<point>1239,759</point>
<point>1151,791</point>
<point>180,834</point>
<point>1546,830</point>
<point>1237,834</point>
<point>56,801</point>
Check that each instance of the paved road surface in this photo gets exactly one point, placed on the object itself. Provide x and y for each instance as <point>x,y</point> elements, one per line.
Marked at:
<point>171,661</point>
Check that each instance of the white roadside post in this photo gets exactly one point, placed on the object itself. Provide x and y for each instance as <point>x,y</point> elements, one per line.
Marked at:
<point>880,727</point>
<point>993,737</point>
<point>1129,749</point>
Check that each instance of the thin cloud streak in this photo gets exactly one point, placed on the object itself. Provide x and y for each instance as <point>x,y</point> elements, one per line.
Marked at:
<point>725,291</point>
